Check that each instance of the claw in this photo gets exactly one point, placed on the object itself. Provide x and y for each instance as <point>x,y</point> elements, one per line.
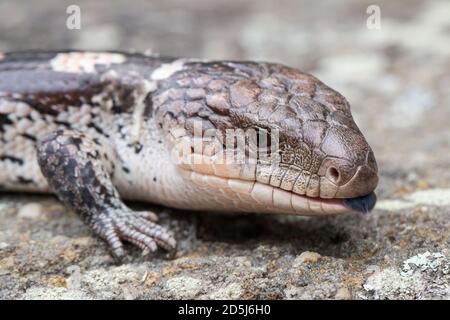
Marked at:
<point>148,215</point>
<point>134,227</point>
<point>159,234</point>
<point>168,246</point>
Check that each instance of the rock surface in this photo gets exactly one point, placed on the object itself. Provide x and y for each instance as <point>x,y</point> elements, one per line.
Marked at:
<point>396,80</point>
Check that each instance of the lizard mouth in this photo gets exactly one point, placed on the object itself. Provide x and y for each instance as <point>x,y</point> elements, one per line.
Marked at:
<point>264,188</point>
<point>252,196</point>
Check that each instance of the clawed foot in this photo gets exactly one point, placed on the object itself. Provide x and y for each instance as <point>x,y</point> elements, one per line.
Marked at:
<point>138,228</point>
<point>78,170</point>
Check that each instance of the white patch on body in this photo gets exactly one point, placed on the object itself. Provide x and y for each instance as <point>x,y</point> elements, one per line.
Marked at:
<point>79,62</point>
<point>7,107</point>
<point>22,109</point>
<point>167,69</point>
<point>2,56</point>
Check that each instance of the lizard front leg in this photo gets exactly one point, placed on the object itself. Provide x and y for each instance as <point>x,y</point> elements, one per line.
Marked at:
<point>78,171</point>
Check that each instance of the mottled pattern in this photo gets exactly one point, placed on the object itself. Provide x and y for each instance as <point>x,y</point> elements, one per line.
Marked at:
<point>79,171</point>
<point>38,102</point>
<point>34,99</point>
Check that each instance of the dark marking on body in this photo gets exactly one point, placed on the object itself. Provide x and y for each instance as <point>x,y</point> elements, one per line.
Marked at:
<point>148,111</point>
<point>93,155</point>
<point>87,197</point>
<point>98,129</point>
<point>12,159</point>
<point>119,129</point>
<point>4,121</point>
<point>49,149</point>
<point>63,123</point>
<point>124,100</point>
<point>69,168</point>
<point>23,180</point>
<point>29,137</point>
<point>88,174</point>
<point>137,147</point>
<point>48,91</point>
<point>76,141</point>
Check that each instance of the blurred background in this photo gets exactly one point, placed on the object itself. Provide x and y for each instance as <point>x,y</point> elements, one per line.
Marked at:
<point>396,78</point>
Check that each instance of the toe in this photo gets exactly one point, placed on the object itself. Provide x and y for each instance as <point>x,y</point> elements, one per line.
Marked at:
<point>159,234</point>
<point>148,215</point>
<point>116,246</point>
<point>133,235</point>
<point>143,242</point>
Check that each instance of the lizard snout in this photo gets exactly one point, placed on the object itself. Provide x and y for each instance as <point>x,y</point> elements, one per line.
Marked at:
<point>341,179</point>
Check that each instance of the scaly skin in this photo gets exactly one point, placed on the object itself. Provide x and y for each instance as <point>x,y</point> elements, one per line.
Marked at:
<point>97,127</point>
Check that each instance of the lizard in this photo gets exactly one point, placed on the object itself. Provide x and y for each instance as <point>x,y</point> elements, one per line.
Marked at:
<point>98,128</point>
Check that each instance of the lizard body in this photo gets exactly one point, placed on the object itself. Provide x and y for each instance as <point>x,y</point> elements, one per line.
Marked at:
<point>95,127</point>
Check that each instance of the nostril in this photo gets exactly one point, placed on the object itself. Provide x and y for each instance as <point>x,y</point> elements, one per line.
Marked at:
<point>333,174</point>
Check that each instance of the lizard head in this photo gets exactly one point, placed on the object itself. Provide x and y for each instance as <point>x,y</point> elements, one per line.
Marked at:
<point>278,134</point>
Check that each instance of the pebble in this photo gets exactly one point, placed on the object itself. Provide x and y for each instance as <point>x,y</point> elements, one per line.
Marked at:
<point>343,294</point>
<point>74,280</point>
<point>31,210</point>
<point>232,291</point>
<point>307,257</point>
<point>184,287</point>
<point>3,245</point>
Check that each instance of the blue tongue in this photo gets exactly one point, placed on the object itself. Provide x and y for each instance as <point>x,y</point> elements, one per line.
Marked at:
<point>363,204</point>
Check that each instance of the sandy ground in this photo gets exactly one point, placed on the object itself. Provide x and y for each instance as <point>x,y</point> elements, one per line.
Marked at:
<point>397,80</point>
